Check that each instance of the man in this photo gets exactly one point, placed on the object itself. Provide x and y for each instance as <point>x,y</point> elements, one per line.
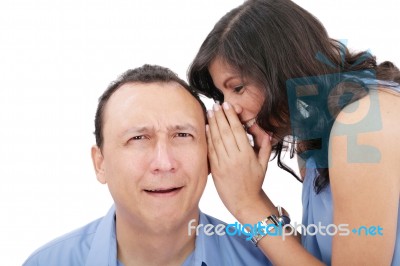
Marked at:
<point>151,151</point>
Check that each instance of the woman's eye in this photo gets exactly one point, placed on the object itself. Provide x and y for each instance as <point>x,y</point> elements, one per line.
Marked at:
<point>238,89</point>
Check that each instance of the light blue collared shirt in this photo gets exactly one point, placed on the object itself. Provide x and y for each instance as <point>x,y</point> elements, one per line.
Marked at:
<point>95,245</point>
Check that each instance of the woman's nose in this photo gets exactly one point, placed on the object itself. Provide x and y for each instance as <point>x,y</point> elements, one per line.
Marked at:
<point>238,109</point>
<point>230,98</point>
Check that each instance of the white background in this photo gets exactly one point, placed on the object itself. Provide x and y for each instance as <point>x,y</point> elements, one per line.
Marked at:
<point>57,57</point>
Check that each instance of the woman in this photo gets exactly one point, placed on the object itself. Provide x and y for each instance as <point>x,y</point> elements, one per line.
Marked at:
<point>285,82</point>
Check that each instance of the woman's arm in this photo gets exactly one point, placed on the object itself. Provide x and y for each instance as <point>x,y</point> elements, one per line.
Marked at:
<point>365,180</point>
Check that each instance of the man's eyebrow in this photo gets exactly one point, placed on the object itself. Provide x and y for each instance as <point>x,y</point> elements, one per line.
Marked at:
<point>137,130</point>
<point>144,129</point>
<point>183,127</point>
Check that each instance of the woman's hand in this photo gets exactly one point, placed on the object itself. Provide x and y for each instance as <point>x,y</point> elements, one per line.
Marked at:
<point>238,172</point>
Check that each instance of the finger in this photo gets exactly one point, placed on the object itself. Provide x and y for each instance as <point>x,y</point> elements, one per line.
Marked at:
<point>225,131</point>
<point>212,156</point>
<point>262,143</point>
<point>258,135</point>
<point>265,152</point>
<point>214,137</point>
<point>238,131</point>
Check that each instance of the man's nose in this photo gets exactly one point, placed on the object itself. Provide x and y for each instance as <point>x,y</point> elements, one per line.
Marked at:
<point>163,158</point>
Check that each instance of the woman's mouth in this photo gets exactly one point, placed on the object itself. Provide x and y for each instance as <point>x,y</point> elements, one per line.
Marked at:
<point>249,124</point>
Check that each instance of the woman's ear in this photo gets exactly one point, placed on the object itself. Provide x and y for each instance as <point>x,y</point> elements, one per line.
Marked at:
<point>98,163</point>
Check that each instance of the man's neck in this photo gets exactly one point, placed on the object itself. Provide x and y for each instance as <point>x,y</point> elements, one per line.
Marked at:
<point>154,246</point>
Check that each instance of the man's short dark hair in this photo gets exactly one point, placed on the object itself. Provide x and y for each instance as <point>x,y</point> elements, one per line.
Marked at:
<point>145,74</point>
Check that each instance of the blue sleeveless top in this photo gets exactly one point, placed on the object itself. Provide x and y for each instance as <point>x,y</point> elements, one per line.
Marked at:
<point>318,209</point>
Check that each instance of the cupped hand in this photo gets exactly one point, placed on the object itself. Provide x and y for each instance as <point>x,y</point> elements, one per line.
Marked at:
<point>237,170</point>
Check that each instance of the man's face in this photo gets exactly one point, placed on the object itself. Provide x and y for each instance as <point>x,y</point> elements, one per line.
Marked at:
<point>154,157</point>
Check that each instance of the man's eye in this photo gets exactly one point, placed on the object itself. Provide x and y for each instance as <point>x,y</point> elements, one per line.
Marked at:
<point>238,89</point>
<point>138,137</point>
<point>183,135</point>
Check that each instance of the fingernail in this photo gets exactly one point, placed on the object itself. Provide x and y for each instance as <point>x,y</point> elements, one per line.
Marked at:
<point>210,113</point>
<point>216,107</point>
<point>225,105</point>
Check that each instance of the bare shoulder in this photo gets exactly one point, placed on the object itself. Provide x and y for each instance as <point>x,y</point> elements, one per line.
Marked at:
<point>367,132</point>
<point>378,104</point>
<point>375,115</point>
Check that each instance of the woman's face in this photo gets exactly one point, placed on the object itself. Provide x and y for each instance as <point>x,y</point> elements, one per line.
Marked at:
<point>242,94</point>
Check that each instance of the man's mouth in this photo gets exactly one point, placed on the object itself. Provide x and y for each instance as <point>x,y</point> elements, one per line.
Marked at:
<point>161,191</point>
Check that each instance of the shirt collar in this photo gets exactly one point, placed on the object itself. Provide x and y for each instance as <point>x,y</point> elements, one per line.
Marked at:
<point>205,245</point>
<point>103,251</point>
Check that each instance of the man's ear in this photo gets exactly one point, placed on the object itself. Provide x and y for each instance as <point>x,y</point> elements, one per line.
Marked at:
<point>98,163</point>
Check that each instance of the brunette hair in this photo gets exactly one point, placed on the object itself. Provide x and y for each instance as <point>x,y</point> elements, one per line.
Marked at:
<point>271,42</point>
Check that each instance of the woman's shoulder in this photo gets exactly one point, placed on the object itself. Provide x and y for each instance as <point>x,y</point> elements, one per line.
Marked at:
<point>377,112</point>
<point>366,132</point>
